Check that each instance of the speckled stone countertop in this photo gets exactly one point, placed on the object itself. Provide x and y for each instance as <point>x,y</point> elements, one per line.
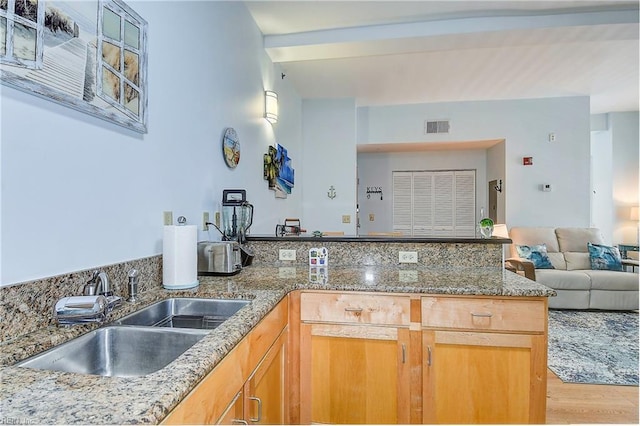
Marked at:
<point>29,396</point>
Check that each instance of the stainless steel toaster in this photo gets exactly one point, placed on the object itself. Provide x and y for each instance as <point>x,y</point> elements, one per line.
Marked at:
<point>219,258</point>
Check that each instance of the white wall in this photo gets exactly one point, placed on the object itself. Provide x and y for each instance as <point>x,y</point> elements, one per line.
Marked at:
<point>79,192</point>
<point>375,169</point>
<point>601,184</point>
<point>496,171</point>
<point>329,134</point>
<point>525,125</point>
<point>615,185</point>
<point>625,151</point>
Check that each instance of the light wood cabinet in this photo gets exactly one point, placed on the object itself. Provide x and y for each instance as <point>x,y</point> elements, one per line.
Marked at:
<point>234,413</point>
<point>266,399</point>
<point>484,360</point>
<point>354,358</point>
<point>256,365</point>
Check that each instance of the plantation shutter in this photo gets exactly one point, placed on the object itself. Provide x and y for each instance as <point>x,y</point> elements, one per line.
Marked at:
<point>465,190</point>
<point>434,204</point>
<point>443,220</point>
<point>422,203</point>
<point>402,194</point>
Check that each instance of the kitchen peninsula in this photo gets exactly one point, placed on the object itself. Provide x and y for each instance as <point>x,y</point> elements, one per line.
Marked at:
<point>431,317</point>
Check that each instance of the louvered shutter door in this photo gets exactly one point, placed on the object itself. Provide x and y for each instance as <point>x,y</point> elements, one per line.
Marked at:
<point>465,205</point>
<point>434,204</point>
<point>422,204</point>
<point>443,220</point>
<point>402,193</point>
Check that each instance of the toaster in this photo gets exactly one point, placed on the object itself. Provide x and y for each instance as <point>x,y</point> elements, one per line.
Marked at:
<point>219,258</point>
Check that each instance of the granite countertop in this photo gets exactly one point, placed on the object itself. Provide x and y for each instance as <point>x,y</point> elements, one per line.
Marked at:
<point>379,239</point>
<point>51,397</point>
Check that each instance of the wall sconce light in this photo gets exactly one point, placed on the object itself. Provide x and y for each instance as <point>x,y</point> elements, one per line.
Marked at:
<point>271,106</point>
<point>498,187</point>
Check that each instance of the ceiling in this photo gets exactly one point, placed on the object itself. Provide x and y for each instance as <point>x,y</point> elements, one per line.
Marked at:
<point>405,52</point>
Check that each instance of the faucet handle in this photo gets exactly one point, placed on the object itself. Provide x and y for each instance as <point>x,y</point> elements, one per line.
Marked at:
<point>90,287</point>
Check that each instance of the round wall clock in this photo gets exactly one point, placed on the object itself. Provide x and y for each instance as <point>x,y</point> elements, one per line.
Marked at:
<point>231,147</point>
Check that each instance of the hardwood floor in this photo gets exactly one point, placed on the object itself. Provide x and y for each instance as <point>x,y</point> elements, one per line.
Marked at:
<point>577,403</point>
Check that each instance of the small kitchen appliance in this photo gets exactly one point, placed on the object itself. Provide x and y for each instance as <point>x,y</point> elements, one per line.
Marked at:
<point>219,258</point>
<point>237,215</point>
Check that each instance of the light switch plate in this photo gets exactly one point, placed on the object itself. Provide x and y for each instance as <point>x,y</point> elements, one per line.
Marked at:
<point>346,218</point>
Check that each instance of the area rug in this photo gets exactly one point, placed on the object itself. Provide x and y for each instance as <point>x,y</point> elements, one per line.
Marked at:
<point>594,347</point>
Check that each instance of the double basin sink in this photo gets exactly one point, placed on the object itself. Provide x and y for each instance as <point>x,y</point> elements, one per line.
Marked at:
<point>140,343</point>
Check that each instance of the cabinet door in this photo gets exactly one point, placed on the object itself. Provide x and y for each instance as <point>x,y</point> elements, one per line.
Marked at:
<point>234,414</point>
<point>266,389</point>
<point>354,374</point>
<point>474,377</point>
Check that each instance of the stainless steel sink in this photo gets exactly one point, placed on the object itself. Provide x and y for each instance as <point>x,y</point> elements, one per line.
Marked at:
<point>185,313</point>
<point>117,351</point>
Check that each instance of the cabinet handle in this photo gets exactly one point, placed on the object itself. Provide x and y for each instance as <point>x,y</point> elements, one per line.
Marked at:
<point>259,401</point>
<point>239,422</point>
<point>353,309</point>
<point>483,315</point>
<point>404,353</point>
<point>429,356</point>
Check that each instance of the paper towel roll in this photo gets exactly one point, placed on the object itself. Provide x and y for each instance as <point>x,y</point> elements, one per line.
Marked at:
<point>180,257</point>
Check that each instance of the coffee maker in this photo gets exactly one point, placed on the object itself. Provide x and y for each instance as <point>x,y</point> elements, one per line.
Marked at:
<point>237,215</point>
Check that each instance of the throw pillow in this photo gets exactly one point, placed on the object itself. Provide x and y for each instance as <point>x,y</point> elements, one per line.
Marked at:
<point>536,254</point>
<point>604,257</point>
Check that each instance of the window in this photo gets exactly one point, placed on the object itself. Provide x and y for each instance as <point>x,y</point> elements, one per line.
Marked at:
<point>121,41</point>
<point>434,203</point>
<point>21,32</point>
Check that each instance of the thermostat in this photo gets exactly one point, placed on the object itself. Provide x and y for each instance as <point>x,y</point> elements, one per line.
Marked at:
<point>546,187</point>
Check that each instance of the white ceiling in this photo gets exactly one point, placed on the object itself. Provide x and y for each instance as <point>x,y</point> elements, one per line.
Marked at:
<point>404,52</point>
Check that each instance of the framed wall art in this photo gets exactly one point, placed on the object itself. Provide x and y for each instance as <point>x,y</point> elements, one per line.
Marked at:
<point>87,55</point>
<point>278,171</point>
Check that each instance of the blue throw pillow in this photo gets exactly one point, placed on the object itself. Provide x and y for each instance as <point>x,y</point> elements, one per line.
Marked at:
<point>536,254</point>
<point>604,257</point>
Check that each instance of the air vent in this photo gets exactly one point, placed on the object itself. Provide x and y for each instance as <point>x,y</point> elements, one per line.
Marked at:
<point>436,126</point>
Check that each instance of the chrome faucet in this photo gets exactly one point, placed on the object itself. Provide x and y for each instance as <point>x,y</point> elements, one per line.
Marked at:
<point>98,285</point>
<point>97,301</point>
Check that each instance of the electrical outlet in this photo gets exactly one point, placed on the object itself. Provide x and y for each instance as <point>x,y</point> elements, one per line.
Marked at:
<point>346,218</point>
<point>217,219</point>
<point>167,218</point>
<point>284,254</point>
<point>408,256</point>
<point>205,221</point>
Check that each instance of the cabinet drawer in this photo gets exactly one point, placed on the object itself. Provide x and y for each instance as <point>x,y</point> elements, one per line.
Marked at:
<point>355,308</point>
<point>484,314</point>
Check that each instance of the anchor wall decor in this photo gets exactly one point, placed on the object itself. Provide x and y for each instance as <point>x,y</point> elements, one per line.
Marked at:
<point>332,192</point>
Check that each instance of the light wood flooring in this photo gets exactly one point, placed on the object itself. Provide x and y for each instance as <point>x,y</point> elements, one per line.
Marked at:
<point>579,404</point>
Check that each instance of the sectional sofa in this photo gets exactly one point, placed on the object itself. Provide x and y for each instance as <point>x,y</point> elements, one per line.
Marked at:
<point>570,272</point>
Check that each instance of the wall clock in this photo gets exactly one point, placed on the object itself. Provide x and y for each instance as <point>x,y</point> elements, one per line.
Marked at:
<point>231,147</point>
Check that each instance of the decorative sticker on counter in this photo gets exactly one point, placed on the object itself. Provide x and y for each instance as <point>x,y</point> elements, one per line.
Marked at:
<point>318,256</point>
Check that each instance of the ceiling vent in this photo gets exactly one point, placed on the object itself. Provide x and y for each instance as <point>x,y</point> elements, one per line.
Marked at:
<point>436,126</point>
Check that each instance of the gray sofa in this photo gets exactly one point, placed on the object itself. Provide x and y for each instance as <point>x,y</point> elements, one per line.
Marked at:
<point>577,285</point>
